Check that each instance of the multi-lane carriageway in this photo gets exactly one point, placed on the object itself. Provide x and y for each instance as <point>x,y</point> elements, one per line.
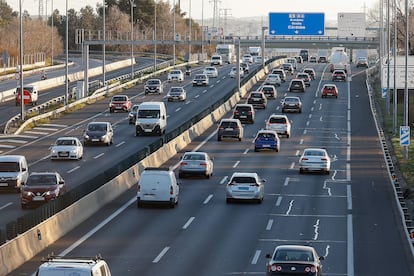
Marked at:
<point>348,216</point>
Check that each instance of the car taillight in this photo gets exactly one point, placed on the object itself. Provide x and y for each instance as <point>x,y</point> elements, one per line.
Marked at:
<point>303,159</point>
<point>183,163</point>
<point>250,113</point>
<point>203,164</point>
<point>139,188</point>
<point>255,185</point>
<point>236,112</point>
<point>171,190</point>
<point>324,159</point>
<point>310,269</point>
<point>275,268</point>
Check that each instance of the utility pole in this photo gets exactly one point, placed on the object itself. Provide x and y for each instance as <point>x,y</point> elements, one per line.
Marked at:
<point>215,13</point>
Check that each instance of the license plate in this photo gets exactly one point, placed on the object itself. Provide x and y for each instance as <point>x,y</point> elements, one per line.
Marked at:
<point>2,184</point>
<point>95,140</point>
<point>228,129</point>
<point>243,116</point>
<point>266,146</point>
<point>38,198</point>
<point>243,188</point>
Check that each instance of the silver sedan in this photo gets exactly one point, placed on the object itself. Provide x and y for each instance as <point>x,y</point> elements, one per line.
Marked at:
<point>196,163</point>
<point>315,159</point>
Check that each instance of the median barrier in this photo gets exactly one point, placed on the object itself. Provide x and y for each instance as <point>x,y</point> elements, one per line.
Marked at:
<point>22,248</point>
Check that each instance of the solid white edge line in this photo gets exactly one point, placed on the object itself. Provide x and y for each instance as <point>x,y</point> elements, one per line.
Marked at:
<point>256,257</point>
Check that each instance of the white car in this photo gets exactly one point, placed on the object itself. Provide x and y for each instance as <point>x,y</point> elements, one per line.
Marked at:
<point>315,159</point>
<point>279,123</point>
<point>233,72</point>
<point>247,58</point>
<point>245,186</point>
<point>176,94</point>
<point>67,148</point>
<point>175,75</point>
<point>273,79</point>
<point>211,72</point>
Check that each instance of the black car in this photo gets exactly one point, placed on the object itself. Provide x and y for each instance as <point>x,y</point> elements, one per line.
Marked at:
<point>294,260</point>
<point>297,85</point>
<point>230,128</point>
<point>293,104</point>
<point>244,112</point>
<point>245,67</point>
<point>257,99</point>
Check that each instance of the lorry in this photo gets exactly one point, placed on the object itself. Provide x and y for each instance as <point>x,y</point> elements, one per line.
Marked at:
<point>227,52</point>
<point>255,51</point>
<point>338,59</point>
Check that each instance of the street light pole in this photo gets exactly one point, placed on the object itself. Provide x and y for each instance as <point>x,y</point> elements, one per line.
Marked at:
<point>155,36</point>
<point>263,45</point>
<point>132,38</point>
<point>21,64</point>
<point>103,46</point>
<point>174,38</point>
<point>67,58</point>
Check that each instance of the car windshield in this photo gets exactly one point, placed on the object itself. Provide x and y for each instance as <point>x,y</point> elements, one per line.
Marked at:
<point>176,90</point>
<point>65,142</point>
<point>293,255</point>
<point>200,77</point>
<point>97,127</point>
<point>41,180</point>
<point>9,166</point>
<point>175,72</point>
<point>256,95</point>
<point>154,114</point>
<point>152,82</point>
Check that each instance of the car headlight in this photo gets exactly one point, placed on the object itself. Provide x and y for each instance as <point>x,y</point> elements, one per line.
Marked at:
<point>86,136</point>
<point>73,151</point>
<point>54,151</point>
<point>104,136</point>
<point>27,193</point>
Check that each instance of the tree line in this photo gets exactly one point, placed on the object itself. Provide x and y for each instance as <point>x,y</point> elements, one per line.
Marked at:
<point>38,33</point>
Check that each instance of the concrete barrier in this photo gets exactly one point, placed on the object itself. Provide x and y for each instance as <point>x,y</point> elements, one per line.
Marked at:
<point>16,252</point>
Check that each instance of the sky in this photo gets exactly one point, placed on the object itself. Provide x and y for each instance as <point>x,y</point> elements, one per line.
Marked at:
<point>233,8</point>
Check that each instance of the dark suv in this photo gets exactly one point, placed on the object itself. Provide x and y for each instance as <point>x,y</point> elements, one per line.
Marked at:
<point>257,99</point>
<point>297,85</point>
<point>244,112</point>
<point>153,86</point>
<point>291,104</point>
<point>42,187</point>
<point>230,128</point>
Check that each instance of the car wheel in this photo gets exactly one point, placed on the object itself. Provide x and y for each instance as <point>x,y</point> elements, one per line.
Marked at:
<point>228,200</point>
<point>256,149</point>
<point>208,176</point>
<point>327,172</point>
<point>218,138</point>
<point>240,139</point>
<point>180,175</point>
<point>139,204</point>
<point>300,110</point>
<point>300,171</point>
<point>287,135</point>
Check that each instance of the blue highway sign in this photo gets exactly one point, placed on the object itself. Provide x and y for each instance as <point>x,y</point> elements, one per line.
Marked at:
<point>296,23</point>
<point>404,135</point>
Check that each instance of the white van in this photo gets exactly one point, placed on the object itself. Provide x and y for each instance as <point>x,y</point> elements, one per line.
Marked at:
<point>151,118</point>
<point>57,266</point>
<point>157,186</point>
<point>13,172</point>
<point>292,61</point>
<point>30,95</point>
<point>216,60</point>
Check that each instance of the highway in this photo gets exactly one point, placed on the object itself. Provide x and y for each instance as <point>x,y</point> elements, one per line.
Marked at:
<point>349,216</point>
<point>9,109</point>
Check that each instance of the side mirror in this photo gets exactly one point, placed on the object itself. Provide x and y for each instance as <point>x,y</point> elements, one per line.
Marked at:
<point>321,258</point>
<point>268,256</point>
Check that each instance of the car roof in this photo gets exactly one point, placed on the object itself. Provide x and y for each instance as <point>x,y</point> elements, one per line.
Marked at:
<point>267,131</point>
<point>67,138</point>
<point>195,152</point>
<point>314,149</point>
<point>91,123</point>
<point>44,173</point>
<point>229,120</point>
<point>278,116</point>
<point>292,97</point>
<point>295,247</point>
<point>296,80</point>
<point>244,104</point>
<point>12,158</point>
<point>244,174</point>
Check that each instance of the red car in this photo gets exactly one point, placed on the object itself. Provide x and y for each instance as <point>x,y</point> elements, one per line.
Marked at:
<point>120,103</point>
<point>42,187</point>
<point>329,90</point>
<point>339,75</point>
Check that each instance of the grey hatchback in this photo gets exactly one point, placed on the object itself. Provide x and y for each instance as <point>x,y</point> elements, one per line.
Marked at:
<point>230,128</point>
<point>196,163</point>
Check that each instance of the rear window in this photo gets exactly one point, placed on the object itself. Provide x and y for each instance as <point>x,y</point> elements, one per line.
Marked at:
<point>265,135</point>
<point>291,100</point>
<point>277,120</point>
<point>243,108</point>
<point>228,124</point>
<point>9,166</point>
<point>297,82</point>
<point>243,180</point>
